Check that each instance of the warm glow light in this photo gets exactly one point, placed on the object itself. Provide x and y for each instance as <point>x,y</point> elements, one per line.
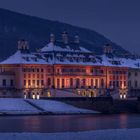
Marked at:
<point>25,96</point>
<point>124,96</point>
<point>120,96</point>
<point>33,96</point>
<point>79,92</point>
<point>38,97</point>
<point>49,94</point>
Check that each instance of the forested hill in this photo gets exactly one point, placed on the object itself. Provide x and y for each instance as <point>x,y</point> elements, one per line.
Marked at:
<point>14,26</point>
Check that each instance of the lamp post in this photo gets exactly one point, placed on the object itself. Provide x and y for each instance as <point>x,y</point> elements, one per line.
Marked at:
<point>123,92</point>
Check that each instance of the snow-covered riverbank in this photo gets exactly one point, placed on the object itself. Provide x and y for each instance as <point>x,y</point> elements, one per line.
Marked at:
<point>114,134</point>
<point>57,107</point>
<point>11,106</point>
<point>16,106</point>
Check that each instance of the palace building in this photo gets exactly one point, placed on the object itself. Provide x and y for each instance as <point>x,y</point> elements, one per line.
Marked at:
<point>63,64</point>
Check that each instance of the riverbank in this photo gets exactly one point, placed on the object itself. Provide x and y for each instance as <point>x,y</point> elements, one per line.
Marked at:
<point>68,106</point>
<point>105,105</point>
<point>113,134</point>
<point>14,106</point>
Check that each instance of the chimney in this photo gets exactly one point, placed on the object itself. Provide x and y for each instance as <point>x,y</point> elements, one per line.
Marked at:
<point>77,39</point>
<point>23,45</point>
<point>108,49</point>
<point>65,37</point>
<point>52,38</point>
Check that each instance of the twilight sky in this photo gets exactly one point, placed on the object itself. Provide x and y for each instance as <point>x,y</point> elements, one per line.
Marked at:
<point>119,20</point>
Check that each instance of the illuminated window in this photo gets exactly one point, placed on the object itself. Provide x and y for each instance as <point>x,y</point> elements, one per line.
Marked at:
<point>33,82</point>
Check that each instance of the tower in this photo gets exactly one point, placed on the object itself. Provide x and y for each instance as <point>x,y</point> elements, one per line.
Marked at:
<point>52,38</point>
<point>108,49</point>
<point>65,37</point>
<point>23,45</point>
<point>77,39</point>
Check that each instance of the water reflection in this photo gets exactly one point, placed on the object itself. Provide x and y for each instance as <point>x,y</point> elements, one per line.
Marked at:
<point>66,123</point>
<point>123,121</point>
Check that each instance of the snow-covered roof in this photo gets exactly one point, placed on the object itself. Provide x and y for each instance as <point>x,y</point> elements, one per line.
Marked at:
<point>52,47</point>
<point>21,58</point>
<point>120,62</point>
<point>65,58</point>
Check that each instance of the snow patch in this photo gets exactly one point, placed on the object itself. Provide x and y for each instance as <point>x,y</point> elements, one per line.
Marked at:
<point>58,107</point>
<point>16,106</point>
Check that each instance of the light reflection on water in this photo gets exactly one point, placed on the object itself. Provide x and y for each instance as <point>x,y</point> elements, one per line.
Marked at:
<point>64,123</point>
<point>123,121</point>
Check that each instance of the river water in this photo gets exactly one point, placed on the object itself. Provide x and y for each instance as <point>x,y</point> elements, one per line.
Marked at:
<point>67,123</point>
